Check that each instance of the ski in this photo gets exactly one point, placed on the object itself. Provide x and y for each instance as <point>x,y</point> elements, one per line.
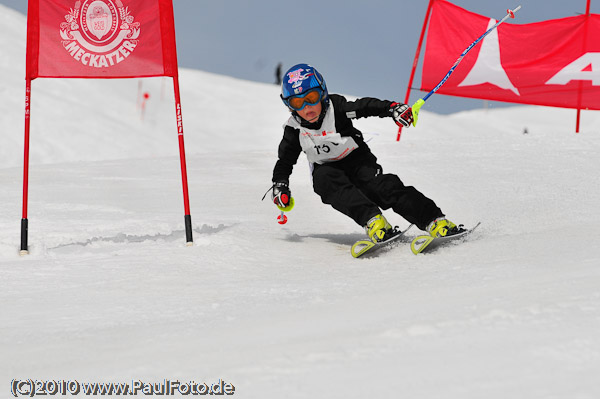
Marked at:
<point>427,243</point>
<point>361,247</point>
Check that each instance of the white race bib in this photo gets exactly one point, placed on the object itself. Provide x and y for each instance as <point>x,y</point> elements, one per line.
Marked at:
<point>324,145</point>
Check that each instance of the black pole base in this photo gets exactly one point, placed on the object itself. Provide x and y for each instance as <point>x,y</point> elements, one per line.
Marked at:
<point>189,238</point>
<point>24,233</point>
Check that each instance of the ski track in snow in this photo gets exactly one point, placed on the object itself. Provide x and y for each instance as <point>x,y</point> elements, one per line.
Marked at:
<point>110,292</point>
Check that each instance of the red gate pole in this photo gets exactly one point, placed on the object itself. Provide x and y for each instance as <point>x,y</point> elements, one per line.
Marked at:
<point>416,60</point>
<point>577,122</point>
<point>24,220</point>
<point>186,199</point>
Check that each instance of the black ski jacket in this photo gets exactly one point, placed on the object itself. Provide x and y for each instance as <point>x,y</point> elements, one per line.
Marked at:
<point>345,111</point>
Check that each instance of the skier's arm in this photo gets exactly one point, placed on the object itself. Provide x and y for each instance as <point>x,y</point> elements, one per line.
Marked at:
<point>289,151</point>
<point>368,106</point>
<point>363,107</point>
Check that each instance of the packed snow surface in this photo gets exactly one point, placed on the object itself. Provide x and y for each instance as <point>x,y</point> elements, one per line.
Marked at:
<point>110,292</point>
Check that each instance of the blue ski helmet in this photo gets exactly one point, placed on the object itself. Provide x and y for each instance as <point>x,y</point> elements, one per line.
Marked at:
<point>301,78</point>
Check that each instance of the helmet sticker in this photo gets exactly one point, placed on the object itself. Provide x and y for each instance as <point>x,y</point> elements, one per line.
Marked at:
<point>296,77</point>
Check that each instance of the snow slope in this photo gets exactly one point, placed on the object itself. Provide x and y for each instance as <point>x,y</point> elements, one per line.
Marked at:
<point>110,293</point>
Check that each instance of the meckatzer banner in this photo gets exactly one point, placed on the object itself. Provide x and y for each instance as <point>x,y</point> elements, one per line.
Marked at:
<point>100,39</point>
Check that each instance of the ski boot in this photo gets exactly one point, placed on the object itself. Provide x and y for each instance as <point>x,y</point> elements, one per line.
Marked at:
<point>378,229</point>
<point>442,227</point>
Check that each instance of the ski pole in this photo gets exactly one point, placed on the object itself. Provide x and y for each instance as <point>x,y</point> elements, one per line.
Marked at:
<point>417,106</point>
<point>282,218</point>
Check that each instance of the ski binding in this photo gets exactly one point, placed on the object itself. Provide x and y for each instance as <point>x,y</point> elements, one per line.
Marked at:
<point>361,247</point>
<point>426,243</point>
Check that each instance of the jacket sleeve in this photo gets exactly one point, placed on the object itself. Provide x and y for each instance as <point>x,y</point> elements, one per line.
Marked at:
<point>289,151</point>
<point>362,107</point>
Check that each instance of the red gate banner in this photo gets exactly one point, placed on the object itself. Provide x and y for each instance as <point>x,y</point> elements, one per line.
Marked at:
<point>552,63</point>
<point>100,39</point>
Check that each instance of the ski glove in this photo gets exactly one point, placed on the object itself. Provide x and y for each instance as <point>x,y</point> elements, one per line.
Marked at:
<point>402,114</point>
<point>282,196</point>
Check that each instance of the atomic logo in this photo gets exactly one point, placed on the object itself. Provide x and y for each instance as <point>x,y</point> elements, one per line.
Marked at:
<point>99,33</point>
<point>488,67</point>
<point>586,67</point>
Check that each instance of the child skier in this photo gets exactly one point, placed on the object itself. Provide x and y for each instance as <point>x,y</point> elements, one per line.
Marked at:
<point>345,173</point>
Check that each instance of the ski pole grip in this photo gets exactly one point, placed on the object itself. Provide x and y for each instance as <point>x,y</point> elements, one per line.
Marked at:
<point>415,110</point>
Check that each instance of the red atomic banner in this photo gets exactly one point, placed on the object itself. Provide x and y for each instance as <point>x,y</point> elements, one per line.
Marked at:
<point>552,63</point>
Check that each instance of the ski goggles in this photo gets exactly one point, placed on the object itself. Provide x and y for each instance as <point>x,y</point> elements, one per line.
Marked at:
<point>311,97</point>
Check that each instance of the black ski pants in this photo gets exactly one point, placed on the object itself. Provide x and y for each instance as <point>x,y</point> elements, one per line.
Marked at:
<point>357,187</point>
